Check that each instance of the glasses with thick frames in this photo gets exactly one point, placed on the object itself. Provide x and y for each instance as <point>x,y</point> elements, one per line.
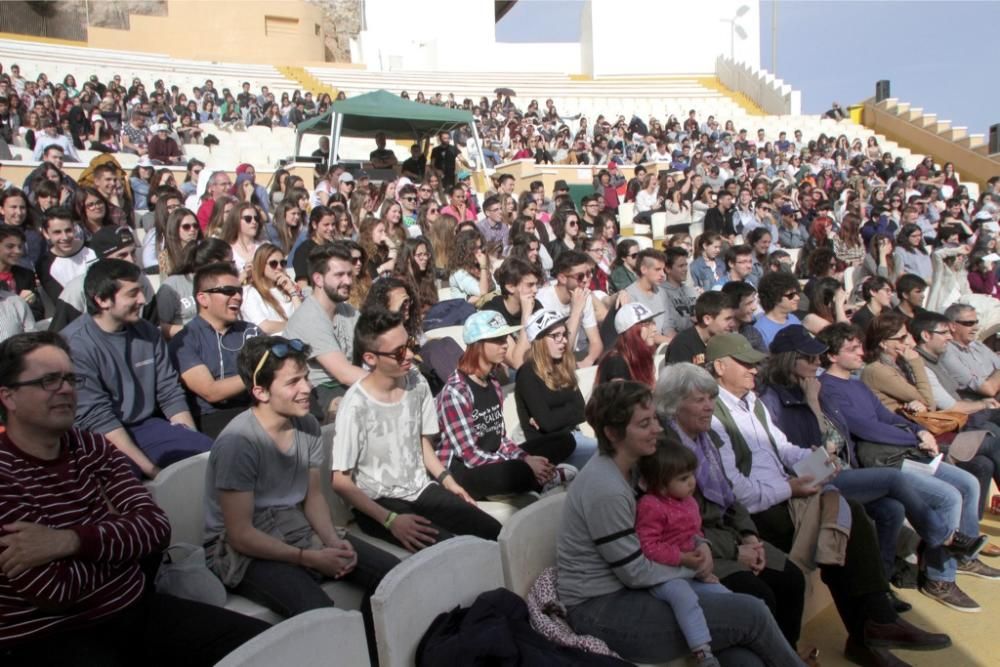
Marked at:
<point>50,381</point>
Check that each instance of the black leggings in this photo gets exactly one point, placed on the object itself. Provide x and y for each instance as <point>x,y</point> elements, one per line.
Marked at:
<point>513,476</point>
<point>783,591</point>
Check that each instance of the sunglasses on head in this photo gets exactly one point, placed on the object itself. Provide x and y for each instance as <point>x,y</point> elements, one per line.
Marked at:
<point>228,291</point>
<point>280,351</point>
<point>275,263</point>
<point>399,354</point>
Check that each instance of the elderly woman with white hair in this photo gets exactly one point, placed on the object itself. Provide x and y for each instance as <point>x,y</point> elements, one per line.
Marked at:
<point>685,402</point>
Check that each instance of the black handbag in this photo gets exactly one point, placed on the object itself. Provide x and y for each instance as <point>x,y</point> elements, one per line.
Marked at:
<point>878,455</point>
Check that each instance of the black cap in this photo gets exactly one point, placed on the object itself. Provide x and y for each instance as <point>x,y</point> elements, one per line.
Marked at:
<point>111,239</point>
<point>795,338</point>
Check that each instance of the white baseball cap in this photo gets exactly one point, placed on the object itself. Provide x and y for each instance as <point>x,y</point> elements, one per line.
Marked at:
<point>346,177</point>
<point>631,314</point>
<point>542,321</point>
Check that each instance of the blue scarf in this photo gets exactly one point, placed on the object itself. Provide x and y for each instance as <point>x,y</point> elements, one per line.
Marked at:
<point>711,476</point>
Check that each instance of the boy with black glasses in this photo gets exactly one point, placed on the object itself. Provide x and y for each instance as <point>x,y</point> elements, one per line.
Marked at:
<point>384,464</point>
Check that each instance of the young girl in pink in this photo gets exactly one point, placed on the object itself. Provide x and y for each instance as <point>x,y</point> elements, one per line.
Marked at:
<point>669,528</point>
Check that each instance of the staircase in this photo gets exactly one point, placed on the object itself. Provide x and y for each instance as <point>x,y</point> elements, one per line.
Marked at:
<point>306,81</point>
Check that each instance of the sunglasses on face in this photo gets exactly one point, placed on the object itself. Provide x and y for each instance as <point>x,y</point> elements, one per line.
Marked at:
<point>899,339</point>
<point>188,226</point>
<point>275,263</point>
<point>248,218</point>
<point>280,351</point>
<point>355,260</point>
<point>229,291</point>
<point>582,276</point>
<point>410,199</point>
<point>399,354</point>
<point>791,294</point>
<point>967,323</point>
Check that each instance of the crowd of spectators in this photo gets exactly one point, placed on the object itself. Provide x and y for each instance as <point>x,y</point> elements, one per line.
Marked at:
<point>286,306</point>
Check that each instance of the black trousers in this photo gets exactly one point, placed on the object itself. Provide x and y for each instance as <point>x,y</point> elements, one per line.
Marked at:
<point>157,630</point>
<point>859,586</point>
<point>783,591</point>
<point>515,476</point>
<point>449,514</point>
<point>289,589</point>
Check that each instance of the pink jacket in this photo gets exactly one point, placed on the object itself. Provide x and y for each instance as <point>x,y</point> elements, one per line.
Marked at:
<point>667,527</point>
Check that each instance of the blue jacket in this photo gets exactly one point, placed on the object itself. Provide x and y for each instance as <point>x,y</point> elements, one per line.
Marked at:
<point>702,273</point>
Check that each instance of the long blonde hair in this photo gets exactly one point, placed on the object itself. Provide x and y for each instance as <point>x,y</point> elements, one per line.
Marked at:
<point>557,375</point>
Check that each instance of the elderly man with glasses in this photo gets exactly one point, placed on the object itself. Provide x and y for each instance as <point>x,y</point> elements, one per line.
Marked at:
<point>974,366</point>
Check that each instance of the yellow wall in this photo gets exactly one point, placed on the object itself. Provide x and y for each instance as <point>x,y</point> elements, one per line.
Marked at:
<point>222,30</point>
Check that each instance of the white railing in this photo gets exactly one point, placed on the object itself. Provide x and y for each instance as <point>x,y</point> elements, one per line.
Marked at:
<point>771,94</point>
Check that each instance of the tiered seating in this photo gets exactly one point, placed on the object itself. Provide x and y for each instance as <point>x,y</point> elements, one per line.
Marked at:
<point>56,61</point>
<point>306,640</point>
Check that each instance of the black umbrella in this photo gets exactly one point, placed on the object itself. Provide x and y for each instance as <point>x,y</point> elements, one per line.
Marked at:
<point>505,91</point>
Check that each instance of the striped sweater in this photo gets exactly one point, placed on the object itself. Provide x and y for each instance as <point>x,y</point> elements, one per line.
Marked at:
<point>76,491</point>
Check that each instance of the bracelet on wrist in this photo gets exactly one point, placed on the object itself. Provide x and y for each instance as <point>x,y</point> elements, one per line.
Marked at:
<point>389,519</point>
<point>299,559</point>
<point>445,474</point>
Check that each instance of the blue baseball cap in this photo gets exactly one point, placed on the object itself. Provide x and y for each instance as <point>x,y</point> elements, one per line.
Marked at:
<point>484,325</point>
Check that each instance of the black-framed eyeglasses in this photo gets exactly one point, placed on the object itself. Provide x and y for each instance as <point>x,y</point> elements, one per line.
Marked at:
<point>899,339</point>
<point>50,381</point>
<point>399,354</point>
<point>228,291</point>
<point>940,332</point>
<point>967,323</point>
<point>280,350</point>
<point>558,336</point>
<point>275,263</point>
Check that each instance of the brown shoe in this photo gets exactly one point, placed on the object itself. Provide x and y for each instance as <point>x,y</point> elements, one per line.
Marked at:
<point>950,595</point>
<point>976,568</point>
<point>902,634</point>
<point>866,656</point>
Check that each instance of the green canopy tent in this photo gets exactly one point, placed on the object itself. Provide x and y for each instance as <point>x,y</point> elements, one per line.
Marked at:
<point>381,111</point>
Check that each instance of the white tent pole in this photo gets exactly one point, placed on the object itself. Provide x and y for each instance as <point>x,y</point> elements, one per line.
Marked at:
<point>479,147</point>
<point>335,122</point>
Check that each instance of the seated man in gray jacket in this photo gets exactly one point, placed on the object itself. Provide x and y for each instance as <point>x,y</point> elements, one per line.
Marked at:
<point>130,393</point>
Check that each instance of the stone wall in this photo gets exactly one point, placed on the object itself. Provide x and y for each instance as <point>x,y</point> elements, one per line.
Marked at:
<point>341,23</point>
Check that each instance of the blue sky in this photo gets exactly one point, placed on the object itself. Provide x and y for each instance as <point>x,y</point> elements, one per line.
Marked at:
<point>937,55</point>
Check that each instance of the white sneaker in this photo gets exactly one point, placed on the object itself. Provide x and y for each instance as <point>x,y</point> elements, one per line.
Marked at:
<point>564,475</point>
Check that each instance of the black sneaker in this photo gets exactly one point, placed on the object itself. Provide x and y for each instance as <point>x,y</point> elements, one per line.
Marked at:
<point>966,547</point>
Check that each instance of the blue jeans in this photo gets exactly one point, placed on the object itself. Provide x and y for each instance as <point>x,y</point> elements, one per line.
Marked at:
<point>876,488</point>
<point>585,448</point>
<point>955,492</point>
<point>641,628</point>
<point>682,596</point>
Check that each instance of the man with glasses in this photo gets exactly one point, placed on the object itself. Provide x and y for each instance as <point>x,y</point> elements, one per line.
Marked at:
<point>590,220</point>
<point>129,380</point>
<point>218,186</point>
<point>570,296</point>
<point>325,321</point>
<point>384,463</point>
<point>779,294</point>
<point>266,471</point>
<point>407,197</point>
<point>205,351</point>
<point>492,226</point>
<point>974,366</point>
<point>739,265</point>
<point>72,583</point>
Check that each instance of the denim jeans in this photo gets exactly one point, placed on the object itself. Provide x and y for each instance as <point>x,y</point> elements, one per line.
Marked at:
<point>586,447</point>
<point>641,628</point>
<point>682,595</point>
<point>957,493</point>
<point>870,485</point>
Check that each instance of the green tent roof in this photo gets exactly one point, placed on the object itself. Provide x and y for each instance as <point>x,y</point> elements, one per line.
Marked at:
<point>381,111</point>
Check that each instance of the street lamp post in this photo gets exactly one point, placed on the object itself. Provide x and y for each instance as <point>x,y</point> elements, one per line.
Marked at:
<point>736,30</point>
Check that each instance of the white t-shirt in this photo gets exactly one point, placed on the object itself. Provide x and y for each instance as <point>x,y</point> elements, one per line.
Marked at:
<point>257,310</point>
<point>64,269</point>
<point>381,444</point>
<point>550,301</point>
